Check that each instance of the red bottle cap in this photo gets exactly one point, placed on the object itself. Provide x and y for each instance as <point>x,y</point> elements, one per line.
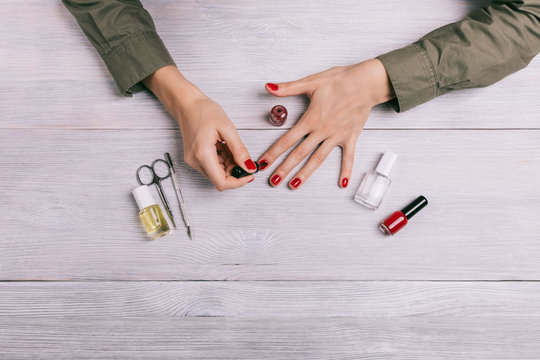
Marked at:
<point>399,219</point>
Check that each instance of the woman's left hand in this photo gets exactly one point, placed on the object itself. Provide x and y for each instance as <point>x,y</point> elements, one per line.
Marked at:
<point>341,99</point>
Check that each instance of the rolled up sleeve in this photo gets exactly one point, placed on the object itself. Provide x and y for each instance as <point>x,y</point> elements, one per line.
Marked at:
<point>411,75</point>
<point>125,37</point>
<point>486,46</point>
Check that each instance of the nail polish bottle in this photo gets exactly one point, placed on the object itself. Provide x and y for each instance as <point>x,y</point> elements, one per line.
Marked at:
<point>278,115</point>
<point>399,219</point>
<point>238,172</point>
<point>376,182</point>
<point>151,215</point>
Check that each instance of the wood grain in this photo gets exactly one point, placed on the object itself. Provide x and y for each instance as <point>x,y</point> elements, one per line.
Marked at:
<point>68,212</point>
<point>230,50</point>
<point>315,279</point>
<point>267,299</point>
<point>277,338</point>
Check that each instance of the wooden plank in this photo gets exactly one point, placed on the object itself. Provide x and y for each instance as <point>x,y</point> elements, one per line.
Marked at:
<point>67,212</point>
<point>278,338</point>
<point>231,50</point>
<point>262,299</point>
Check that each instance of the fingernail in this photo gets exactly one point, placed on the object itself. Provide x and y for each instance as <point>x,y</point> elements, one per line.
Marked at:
<point>251,180</point>
<point>344,182</point>
<point>296,182</point>
<point>275,179</point>
<point>250,164</point>
<point>263,164</point>
<point>272,86</point>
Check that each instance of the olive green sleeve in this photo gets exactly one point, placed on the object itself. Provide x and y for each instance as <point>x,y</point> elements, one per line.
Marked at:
<point>124,35</point>
<point>489,44</point>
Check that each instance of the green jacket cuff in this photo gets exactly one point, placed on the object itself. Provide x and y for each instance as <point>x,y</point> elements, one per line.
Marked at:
<point>136,58</point>
<point>412,76</point>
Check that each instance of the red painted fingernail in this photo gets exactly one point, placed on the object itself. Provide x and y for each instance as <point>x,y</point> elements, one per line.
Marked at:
<point>263,164</point>
<point>272,86</point>
<point>250,164</point>
<point>251,180</point>
<point>344,182</point>
<point>296,182</point>
<point>275,179</point>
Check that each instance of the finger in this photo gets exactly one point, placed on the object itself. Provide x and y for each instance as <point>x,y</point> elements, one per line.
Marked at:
<point>228,164</point>
<point>284,143</point>
<point>231,182</point>
<point>223,181</point>
<point>298,87</point>
<point>216,173</point>
<point>316,160</point>
<point>227,161</point>
<point>294,158</point>
<point>237,148</point>
<point>347,161</point>
<point>225,156</point>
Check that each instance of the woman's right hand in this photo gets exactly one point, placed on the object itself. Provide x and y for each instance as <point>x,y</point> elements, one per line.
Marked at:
<point>212,145</point>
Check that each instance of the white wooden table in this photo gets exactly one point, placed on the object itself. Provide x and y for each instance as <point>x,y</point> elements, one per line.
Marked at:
<point>271,273</point>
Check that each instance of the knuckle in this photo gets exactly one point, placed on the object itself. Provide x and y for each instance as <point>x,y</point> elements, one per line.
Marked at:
<point>336,69</point>
<point>297,155</point>
<point>318,157</point>
<point>282,143</point>
<point>242,152</point>
<point>199,153</point>
<point>220,186</point>
<point>285,140</point>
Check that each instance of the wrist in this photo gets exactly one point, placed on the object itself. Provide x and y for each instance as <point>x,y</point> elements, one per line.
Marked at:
<point>174,91</point>
<point>373,74</point>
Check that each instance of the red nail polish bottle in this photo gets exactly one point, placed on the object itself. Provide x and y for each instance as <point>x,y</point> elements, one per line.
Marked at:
<point>399,219</point>
<point>278,115</point>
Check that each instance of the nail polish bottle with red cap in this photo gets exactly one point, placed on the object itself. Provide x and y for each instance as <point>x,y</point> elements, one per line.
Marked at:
<point>399,219</point>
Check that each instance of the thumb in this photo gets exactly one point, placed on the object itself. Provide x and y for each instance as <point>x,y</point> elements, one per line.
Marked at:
<point>238,150</point>
<point>290,88</point>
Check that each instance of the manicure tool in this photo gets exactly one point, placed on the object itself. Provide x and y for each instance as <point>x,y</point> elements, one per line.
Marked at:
<point>178,193</point>
<point>154,174</point>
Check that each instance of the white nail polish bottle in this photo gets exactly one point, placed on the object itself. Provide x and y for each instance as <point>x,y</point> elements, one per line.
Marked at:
<point>375,183</point>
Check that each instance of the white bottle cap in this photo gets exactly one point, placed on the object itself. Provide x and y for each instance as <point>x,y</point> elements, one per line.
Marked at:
<point>386,162</point>
<point>143,197</point>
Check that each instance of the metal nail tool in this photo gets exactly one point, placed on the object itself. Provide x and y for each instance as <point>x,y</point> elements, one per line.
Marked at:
<point>179,196</point>
<point>154,174</point>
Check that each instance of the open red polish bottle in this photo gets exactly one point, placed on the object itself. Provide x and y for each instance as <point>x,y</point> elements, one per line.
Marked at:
<point>399,219</point>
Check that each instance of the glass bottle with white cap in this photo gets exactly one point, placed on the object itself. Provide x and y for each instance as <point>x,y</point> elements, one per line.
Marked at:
<point>150,213</point>
<point>375,183</point>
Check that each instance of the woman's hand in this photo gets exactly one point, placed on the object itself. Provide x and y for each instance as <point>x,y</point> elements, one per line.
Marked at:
<point>212,145</point>
<point>341,99</point>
